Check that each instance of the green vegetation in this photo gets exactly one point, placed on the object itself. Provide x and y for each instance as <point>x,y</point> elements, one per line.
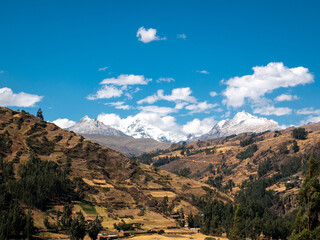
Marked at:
<point>41,147</point>
<point>41,182</point>
<point>307,224</point>
<point>299,133</point>
<point>165,160</point>
<point>88,208</point>
<point>94,227</point>
<point>14,223</point>
<point>246,142</point>
<point>123,226</point>
<point>40,114</point>
<point>295,146</point>
<point>248,153</point>
<point>184,172</point>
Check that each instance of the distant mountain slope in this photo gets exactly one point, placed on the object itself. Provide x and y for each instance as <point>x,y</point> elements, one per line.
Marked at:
<point>127,145</point>
<point>241,123</point>
<point>87,125</point>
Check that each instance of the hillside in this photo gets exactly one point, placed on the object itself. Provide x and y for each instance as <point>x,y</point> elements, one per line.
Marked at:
<point>127,145</point>
<point>229,163</point>
<point>107,183</point>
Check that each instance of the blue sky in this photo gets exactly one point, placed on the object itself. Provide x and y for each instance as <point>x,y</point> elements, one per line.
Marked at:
<point>53,50</point>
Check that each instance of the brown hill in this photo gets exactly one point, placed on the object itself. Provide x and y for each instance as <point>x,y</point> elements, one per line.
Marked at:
<point>229,162</point>
<point>115,186</point>
<point>127,145</point>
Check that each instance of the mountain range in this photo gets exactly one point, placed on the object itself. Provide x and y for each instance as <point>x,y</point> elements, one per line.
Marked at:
<point>241,123</point>
<point>138,128</point>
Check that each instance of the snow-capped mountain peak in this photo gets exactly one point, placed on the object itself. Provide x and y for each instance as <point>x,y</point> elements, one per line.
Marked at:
<point>242,122</point>
<point>87,125</point>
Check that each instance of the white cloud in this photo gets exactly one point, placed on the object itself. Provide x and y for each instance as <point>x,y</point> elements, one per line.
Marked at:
<point>10,99</point>
<point>125,79</point>
<point>165,80</point>
<point>162,111</point>
<point>149,35</point>
<point>226,115</point>
<point>177,95</point>
<point>213,94</point>
<point>119,105</point>
<point>198,127</point>
<point>106,92</point>
<point>64,122</point>
<point>103,68</point>
<point>286,97</point>
<point>182,35</point>
<point>180,105</point>
<point>264,80</point>
<point>308,111</point>
<point>200,107</point>
<point>271,110</point>
<point>203,71</point>
<point>311,119</point>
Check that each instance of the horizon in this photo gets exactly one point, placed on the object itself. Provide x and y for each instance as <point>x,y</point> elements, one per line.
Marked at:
<point>181,68</point>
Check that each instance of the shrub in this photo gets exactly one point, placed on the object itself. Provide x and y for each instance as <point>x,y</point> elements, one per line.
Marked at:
<point>246,142</point>
<point>248,153</point>
<point>299,133</point>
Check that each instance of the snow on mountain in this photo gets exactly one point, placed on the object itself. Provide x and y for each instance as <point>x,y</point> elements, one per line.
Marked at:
<point>242,122</point>
<point>87,125</point>
<point>139,128</point>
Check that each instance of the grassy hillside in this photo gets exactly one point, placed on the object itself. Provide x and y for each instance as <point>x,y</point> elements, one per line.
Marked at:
<point>39,159</point>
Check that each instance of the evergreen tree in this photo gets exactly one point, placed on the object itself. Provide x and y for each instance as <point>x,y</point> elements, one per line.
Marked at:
<point>94,228</point>
<point>295,146</point>
<point>40,114</point>
<point>77,229</point>
<point>307,220</point>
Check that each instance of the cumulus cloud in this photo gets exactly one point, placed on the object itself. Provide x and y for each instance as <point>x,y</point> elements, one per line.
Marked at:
<point>106,92</point>
<point>119,105</point>
<point>182,35</point>
<point>308,111</point>
<point>286,97</point>
<point>103,68</point>
<point>157,116</point>
<point>127,79</point>
<point>200,107</point>
<point>271,110</point>
<point>264,80</point>
<point>203,71</point>
<point>148,35</point>
<point>165,80</point>
<point>311,119</point>
<point>64,122</point>
<point>10,99</point>
<point>162,111</point>
<point>198,127</point>
<point>213,94</point>
<point>177,95</point>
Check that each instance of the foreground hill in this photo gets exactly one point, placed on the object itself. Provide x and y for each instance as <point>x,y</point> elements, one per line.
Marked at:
<point>96,179</point>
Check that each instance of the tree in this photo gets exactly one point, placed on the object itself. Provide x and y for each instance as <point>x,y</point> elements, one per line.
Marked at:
<point>77,228</point>
<point>94,228</point>
<point>164,204</point>
<point>295,146</point>
<point>299,133</point>
<point>28,228</point>
<point>39,114</point>
<point>307,220</point>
